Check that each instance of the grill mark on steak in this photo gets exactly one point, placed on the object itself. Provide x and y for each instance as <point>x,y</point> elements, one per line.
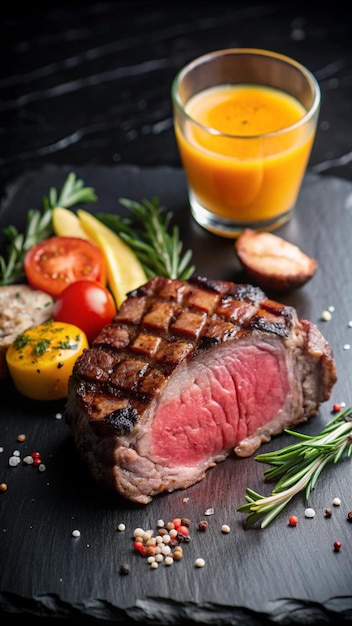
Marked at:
<point>186,372</point>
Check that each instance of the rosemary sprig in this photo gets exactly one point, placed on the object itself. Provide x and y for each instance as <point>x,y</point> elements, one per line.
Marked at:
<point>298,467</point>
<point>38,227</point>
<point>155,242</point>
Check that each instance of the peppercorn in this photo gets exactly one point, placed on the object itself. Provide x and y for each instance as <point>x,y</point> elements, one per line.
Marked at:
<point>293,520</point>
<point>203,525</point>
<point>124,569</point>
<point>3,487</point>
<point>225,529</point>
<point>185,522</point>
<point>328,512</point>
<point>337,545</point>
<point>176,522</point>
<point>349,516</point>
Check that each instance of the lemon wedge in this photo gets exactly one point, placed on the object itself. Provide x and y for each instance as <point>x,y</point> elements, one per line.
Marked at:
<point>124,271</point>
<point>67,224</point>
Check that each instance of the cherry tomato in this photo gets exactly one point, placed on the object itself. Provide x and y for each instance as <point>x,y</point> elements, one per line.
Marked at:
<point>53,264</point>
<point>87,304</point>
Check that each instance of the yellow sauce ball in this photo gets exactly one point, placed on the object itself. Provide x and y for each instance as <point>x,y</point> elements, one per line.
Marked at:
<point>41,359</point>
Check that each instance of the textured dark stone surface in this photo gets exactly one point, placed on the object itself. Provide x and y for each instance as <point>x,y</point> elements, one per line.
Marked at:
<point>279,575</point>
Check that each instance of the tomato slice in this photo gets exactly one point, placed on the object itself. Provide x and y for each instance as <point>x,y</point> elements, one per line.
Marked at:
<point>53,264</point>
<point>88,305</point>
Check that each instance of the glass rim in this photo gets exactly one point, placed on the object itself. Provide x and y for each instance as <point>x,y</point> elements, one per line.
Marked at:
<point>308,75</point>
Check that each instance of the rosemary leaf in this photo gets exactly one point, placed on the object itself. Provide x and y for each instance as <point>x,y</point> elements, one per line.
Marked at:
<point>299,466</point>
<point>150,234</point>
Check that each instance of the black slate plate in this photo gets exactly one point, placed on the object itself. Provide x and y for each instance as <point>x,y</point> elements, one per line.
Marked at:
<point>278,575</point>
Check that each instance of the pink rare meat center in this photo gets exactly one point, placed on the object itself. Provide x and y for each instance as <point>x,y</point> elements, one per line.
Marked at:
<point>218,402</point>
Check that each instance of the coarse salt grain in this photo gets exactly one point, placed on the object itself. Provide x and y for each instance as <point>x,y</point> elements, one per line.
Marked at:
<point>209,512</point>
<point>121,527</point>
<point>42,467</point>
<point>225,529</point>
<point>58,416</point>
<point>76,533</point>
<point>16,453</point>
<point>199,562</point>
<point>309,512</point>
<point>28,460</point>
<point>14,461</point>
<point>347,346</point>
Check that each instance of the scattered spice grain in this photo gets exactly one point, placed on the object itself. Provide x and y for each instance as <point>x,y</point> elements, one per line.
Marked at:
<point>203,525</point>
<point>337,546</point>
<point>328,512</point>
<point>199,562</point>
<point>3,487</point>
<point>21,438</point>
<point>349,516</point>
<point>336,501</point>
<point>326,316</point>
<point>293,520</point>
<point>124,569</point>
<point>225,529</point>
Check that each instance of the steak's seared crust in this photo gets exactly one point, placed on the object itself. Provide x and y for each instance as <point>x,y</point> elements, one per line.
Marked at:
<point>210,365</point>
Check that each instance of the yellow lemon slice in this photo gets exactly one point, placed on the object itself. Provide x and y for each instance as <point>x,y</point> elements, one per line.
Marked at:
<point>67,224</point>
<point>124,271</point>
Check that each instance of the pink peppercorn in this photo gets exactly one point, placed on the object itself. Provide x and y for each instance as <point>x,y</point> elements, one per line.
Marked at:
<point>337,545</point>
<point>293,520</point>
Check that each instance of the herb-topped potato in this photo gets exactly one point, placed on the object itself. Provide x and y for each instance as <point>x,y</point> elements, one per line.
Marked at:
<point>40,360</point>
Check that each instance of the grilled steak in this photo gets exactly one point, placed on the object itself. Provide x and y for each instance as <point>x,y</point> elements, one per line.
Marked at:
<point>187,372</point>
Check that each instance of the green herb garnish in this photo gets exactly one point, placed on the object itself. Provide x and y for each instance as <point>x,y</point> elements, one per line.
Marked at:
<point>38,227</point>
<point>298,467</point>
<point>66,345</point>
<point>41,347</point>
<point>155,242</point>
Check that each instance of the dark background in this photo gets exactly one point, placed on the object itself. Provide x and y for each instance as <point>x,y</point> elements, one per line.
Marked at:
<point>89,83</point>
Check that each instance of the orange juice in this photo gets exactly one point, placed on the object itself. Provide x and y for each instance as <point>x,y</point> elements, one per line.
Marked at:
<point>244,151</point>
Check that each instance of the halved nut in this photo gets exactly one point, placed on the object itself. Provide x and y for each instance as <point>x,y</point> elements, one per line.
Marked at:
<point>272,262</point>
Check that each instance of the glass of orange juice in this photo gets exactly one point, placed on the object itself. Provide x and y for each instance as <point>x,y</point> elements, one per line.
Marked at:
<point>245,122</point>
